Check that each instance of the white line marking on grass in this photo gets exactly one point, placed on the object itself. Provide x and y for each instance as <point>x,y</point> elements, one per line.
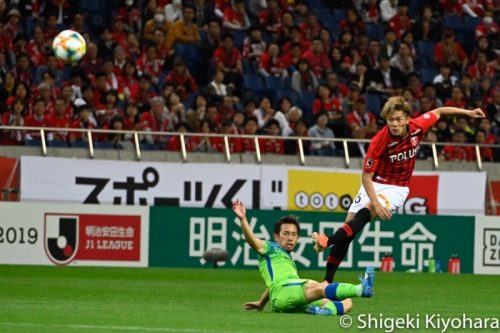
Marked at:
<point>118,328</point>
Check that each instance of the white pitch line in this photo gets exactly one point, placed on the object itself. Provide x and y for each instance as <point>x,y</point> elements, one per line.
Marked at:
<point>118,328</point>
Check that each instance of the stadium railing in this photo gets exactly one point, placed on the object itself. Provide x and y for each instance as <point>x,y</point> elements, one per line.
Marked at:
<point>90,134</point>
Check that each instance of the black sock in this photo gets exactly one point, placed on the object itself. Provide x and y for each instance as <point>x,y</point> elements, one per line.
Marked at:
<point>342,239</point>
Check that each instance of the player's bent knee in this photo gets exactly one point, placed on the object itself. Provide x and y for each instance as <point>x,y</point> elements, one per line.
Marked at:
<point>348,304</point>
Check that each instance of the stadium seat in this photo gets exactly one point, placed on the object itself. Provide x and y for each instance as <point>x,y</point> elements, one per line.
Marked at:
<point>103,145</point>
<point>470,23</point>
<point>304,102</point>
<point>249,67</point>
<point>373,103</point>
<point>57,143</point>
<point>453,22</point>
<point>79,144</point>
<point>374,31</point>
<point>33,143</point>
<point>427,75</point>
<point>188,52</point>
<point>274,83</point>
<point>253,82</point>
<point>425,54</point>
<point>149,146</point>
<point>339,14</point>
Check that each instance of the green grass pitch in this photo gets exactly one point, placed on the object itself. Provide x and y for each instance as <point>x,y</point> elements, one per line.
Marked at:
<point>75,299</point>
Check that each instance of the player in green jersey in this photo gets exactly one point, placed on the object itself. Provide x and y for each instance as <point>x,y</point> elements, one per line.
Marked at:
<point>286,291</point>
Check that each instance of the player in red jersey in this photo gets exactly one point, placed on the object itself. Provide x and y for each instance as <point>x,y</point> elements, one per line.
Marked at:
<point>387,170</point>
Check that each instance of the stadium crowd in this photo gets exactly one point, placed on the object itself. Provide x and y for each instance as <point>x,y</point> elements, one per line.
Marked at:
<point>314,68</point>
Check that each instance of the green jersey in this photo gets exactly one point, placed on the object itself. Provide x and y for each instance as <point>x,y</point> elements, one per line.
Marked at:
<point>276,264</point>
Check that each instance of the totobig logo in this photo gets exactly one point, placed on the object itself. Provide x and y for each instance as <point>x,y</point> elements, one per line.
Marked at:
<point>61,238</point>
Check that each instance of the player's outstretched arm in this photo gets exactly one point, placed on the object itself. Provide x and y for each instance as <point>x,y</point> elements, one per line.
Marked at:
<point>258,305</point>
<point>451,111</point>
<point>240,211</point>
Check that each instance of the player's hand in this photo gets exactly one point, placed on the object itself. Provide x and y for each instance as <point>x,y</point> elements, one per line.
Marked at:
<point>382,212</point>
<point>239,209</point>
<point>477,113</point>
<point>253,306</point>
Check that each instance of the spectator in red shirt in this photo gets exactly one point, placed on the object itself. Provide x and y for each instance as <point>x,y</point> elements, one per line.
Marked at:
<point>84,120</point>
<point>311,27</point>
<point>273,146</point>
<point>401,22</point>
<point>91,63</point>
<point>24,71</point>
<point>130,81</point>
<point>162,44</point>
<point>131,15</point>
<point>271,17</point>
<point>292,57</point>
<point>488,27</point>
<point>248,144</point>
<point>150,63</point>
<point>362,123</point>
<point>38,48</point>
<point>15,117</point>
<point>38,118</point>
<point>227,127</point>
<point>60,120</point>
<point>317,59</point>
<point>485,126</point>
<point>457,153</point>
<point>481,68</point>
<point>227,59</point>
<point>352,22</point>
<point>235,17</point>
<point>206,144</point>
<point>485,152</point>
<point>457,98</point>
<point>182,79</point>
<point>271,63</point>
<point>450,52</point>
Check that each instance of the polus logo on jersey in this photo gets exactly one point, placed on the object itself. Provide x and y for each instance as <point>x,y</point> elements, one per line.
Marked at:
<point>92,237</point>
<point>61,238</point>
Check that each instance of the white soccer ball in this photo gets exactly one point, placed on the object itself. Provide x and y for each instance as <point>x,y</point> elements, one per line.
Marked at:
<point>69,46</point>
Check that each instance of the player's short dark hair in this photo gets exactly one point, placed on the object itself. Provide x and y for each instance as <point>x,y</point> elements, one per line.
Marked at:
<point>289,219</point>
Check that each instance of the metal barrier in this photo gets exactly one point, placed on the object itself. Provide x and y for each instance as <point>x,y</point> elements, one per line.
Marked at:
<point>184,155</point>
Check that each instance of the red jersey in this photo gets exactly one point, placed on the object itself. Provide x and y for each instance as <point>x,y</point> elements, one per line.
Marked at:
<point>392,159</point>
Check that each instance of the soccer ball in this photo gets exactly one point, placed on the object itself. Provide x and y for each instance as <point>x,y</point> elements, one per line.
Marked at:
<point>69,46</point>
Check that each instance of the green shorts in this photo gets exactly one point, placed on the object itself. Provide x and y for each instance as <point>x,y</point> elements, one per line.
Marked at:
<point>288,296</point>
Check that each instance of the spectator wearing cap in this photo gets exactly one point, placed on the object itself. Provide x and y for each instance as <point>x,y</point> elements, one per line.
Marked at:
<point>15,117</point>
<point>321,131</point>
<point>181,78</point>
<point>235,17</point>
<point>388,8</point>
<point>273,146</point>
<point>185,30</point>
<point>253,45</point>
<point>450,52</point>
<point>317,59</point>
<point>227,59</point>
<point>156,120</point>
<point>303,78</point>
<point>173,11</point>
<point>13,24</point>
<point>271,63</point>
<point>427,27</point>
<point>352,22</point>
